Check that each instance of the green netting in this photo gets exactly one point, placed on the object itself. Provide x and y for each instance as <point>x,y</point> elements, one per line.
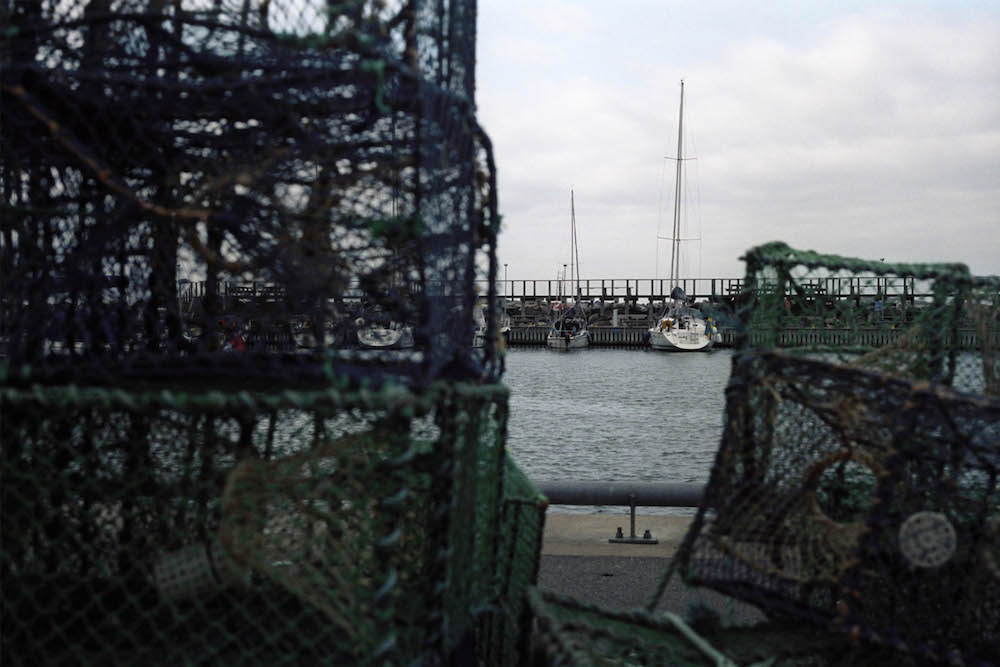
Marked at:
<point>283,528</point>
<point>244,189</point>
<point>522,521</point>
<point>856,485</point>
<point>855,496</point>
<point>921,321</point>
<point>927,573</point>
<point>249,409</point>
<point>568,632</point>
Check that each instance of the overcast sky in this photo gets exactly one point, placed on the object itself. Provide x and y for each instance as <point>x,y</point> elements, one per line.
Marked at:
<point>862,129</point>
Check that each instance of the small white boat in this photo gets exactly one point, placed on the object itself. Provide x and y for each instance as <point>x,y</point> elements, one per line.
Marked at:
<point>682,329</point>
<point>479,319</point>
<point>569,329</point>
<point>394,336</point>
<point>305,335</point>
<point>568,334</point>
<point>505,326</point>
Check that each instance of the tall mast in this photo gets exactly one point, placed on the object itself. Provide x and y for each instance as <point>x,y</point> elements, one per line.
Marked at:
<point>575,246</point>
<point>675,259</point>
<point>572,236</point>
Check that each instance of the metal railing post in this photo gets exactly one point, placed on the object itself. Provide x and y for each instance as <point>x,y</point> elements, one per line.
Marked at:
<point>647,537</point>
<point>633,494</point>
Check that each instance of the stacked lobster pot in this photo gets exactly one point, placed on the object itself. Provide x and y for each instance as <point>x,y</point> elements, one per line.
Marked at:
<point>854,501</point>
<point>243,421</point>
<point>858,485</point>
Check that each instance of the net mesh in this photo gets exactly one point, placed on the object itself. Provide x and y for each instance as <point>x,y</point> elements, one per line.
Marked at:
<point>291,527</point>
<point>855,495</point>
<point>273,178</point>
<point>522,521</point>
<point>856,484</point>
<point>568,632</point>
<point>248,415</point>
<point>931,322</point>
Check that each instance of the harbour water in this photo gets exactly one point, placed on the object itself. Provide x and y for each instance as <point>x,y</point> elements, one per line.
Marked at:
<point>616,415</point>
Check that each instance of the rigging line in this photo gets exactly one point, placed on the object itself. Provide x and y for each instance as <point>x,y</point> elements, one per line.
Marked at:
<point>692,141</point>
<point>659,206</point>
<point>677,188</point>
<point>697,209</point>
<point>684,254</point>
<point>572,243</point>
<point>659,218</point>
<point>576,246</point>
<point>659,214</point>
<point>684,205</point>
<point>680,213</point>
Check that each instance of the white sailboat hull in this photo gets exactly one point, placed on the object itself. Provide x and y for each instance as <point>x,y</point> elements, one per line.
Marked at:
<point>674,333</point>
<point>386,338</point>
<point>679,341</point>
<point>479,338</point>
<point>559,341</point>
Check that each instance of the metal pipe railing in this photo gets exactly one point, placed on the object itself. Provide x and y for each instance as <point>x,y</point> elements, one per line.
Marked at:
<point>649,494</point>
<point>632,494</point>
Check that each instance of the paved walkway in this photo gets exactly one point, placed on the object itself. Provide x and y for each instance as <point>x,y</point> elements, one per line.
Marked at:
<point>578,560</point>
<point>588,534</point>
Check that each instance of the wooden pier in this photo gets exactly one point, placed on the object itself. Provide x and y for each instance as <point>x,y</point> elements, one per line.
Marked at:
<point>599,336</point>
<point>627,290</point>
<point>623,308</point>
<point>658,289</point>
<point>634,337</point>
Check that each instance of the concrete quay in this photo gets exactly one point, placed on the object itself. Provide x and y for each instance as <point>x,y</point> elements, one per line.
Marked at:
<point>578,561</point>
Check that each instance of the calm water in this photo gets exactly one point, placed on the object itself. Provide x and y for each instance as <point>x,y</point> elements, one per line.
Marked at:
<point>616,415</point>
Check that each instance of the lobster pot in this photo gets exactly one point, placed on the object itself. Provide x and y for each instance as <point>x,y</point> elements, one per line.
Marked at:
<point>265,189</point>
<point>927,575</point>
<point>331,526</point>
<point>979,359</point>
<point>857,473</point>
<point>919,321</point>
<point>804,446</point>
<point>522,521</point>
<point>841,491</point>
<point>568,632</point>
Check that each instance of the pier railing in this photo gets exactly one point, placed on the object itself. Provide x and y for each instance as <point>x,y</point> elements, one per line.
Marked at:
<point>634,336</point>
<point>615,289</point>
<point>599,336</point>
<point>628,494</point>
<point>658,289</point>
<point>639,289</point>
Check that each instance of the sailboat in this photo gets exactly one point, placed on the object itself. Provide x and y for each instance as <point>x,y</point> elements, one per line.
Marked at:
<point>479,320</point>
<point>680,328</point>
<point>569,328</point>
<point>381,336</point>
<point>381,333</point>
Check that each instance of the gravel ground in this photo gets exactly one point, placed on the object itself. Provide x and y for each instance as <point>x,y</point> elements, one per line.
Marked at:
<point>627,582</point>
